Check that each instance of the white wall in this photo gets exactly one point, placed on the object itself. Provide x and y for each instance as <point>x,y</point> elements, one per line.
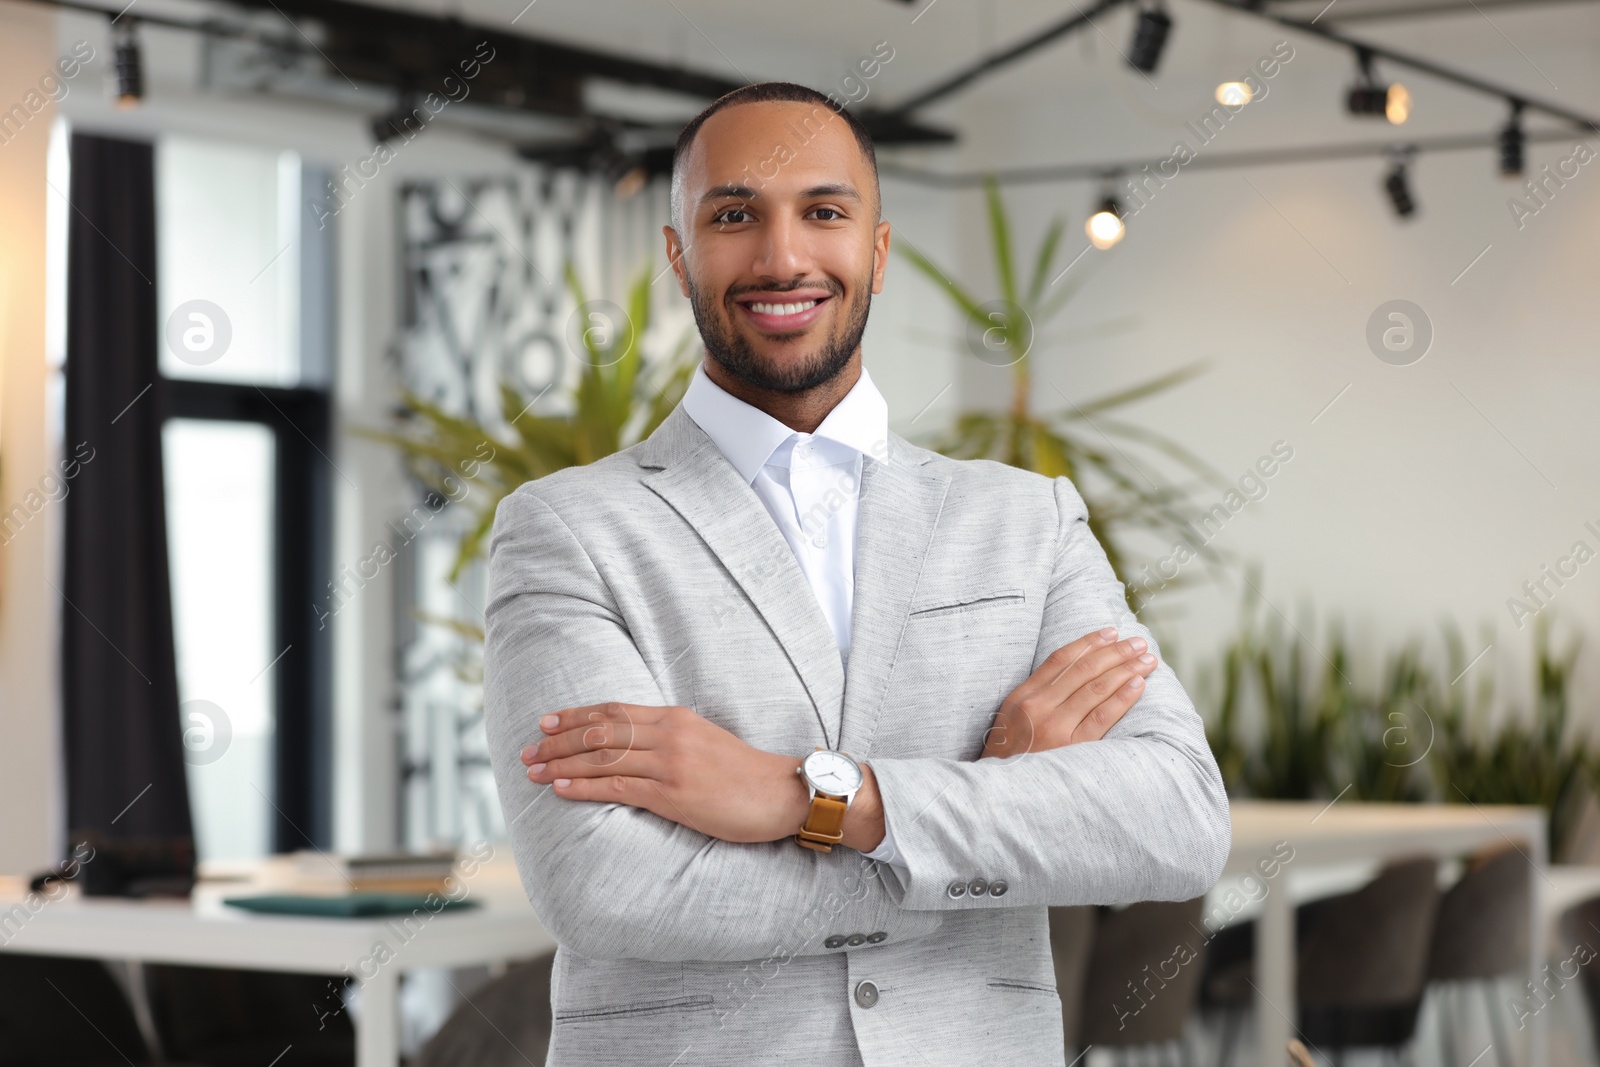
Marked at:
<point>1426,491</point>
<point>30,753</point>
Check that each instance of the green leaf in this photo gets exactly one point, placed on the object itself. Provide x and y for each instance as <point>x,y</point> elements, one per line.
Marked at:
<point>963,300</point>
<point>1045,262</point>
<point>1000,237</point>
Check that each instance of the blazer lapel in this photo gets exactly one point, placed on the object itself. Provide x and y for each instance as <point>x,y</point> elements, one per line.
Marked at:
<point>901,500</point>
<point>694,477</point>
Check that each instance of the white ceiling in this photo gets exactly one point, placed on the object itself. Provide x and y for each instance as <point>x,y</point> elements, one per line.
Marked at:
<point>816,42</point>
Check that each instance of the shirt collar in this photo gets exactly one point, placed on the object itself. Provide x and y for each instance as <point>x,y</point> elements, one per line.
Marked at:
<point>748,436</point>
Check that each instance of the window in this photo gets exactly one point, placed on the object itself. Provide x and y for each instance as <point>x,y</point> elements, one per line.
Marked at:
<point>247,482</point>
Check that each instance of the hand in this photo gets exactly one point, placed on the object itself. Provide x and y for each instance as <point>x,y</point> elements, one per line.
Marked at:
<point>1079,692</point>
<point>673,762</point>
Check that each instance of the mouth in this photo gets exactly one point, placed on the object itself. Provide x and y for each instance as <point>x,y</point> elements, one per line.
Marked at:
<point>783,313</point>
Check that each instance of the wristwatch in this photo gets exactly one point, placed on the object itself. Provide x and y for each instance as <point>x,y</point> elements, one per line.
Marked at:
<point>833,778</point>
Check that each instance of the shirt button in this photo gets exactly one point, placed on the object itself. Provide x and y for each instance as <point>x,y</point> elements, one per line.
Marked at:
<point>856,940</point>
<point>836,941</point>
<point>878,938</point>
<point>978,887</point>
<point>998,889</point>
<point>957,889</point>
<point>866,994</point>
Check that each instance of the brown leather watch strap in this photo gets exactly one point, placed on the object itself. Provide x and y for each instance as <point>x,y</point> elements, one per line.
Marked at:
<point>824,826</point>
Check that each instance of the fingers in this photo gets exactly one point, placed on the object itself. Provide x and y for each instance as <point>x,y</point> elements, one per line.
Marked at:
<point>619,789</point>
<point>1110,711</point>
<point>598,764</point>
<point>1095,663</point>
<point>1065,711</point>
<point>1063,659</point>
<point>573,730</point>
<point>588,738</point>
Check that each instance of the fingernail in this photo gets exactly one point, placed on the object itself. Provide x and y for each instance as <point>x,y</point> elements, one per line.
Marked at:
<point>529,752</point>
<point>549,722</point>
<point>562,783</point>
<point>1135,682</point>
<point>537,768</point>
<point>1146,658</point>
<point>1137,644</point>
<point>1108,633</point>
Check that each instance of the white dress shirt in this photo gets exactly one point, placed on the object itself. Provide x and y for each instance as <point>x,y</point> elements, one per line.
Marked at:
<point>810,484</point>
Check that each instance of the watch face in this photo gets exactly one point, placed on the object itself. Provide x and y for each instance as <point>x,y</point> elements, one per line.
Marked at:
<point>832,773</point>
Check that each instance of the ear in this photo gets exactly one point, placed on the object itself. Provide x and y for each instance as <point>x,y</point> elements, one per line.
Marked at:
<point>675,250</point>
<point>880,255</point>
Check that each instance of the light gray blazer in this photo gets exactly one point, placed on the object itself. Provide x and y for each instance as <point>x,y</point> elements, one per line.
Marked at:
<point>655,576</point>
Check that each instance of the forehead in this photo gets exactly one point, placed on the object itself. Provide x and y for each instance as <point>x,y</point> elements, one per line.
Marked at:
<point>775,147</point>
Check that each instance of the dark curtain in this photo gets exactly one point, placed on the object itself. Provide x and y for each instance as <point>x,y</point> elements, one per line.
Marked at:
<point>122,737</point>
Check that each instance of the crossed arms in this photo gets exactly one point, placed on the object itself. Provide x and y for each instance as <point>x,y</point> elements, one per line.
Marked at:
<point>617,866</point>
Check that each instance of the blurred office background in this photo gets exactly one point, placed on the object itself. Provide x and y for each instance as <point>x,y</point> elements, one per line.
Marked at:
<point>263,232</point>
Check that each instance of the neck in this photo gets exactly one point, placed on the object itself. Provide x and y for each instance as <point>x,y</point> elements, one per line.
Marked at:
<point>802,412</point>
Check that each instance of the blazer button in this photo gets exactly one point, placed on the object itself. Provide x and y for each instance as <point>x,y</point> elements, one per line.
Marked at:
<point>836,941</point>
<point>978,887</point>
<point>878,938</point>
<point>998,889</point>
<point>866,994</point>
<point>856,940</point>
<point>957,889</point>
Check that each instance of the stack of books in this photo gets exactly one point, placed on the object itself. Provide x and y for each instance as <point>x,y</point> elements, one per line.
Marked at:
<point>393,872</point>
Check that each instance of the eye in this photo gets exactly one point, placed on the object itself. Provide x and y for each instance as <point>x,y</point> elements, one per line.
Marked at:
<point>727,215</point>
<point>827,214</point>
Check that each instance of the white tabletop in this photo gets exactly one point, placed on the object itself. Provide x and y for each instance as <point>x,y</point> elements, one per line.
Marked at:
<point>1320,832</point>
<point>203,931</point>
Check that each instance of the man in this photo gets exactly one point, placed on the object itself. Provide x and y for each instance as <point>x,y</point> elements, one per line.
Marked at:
<point>749,658</point>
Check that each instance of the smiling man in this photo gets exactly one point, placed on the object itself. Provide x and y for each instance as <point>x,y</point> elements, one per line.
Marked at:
<point>799,728</point>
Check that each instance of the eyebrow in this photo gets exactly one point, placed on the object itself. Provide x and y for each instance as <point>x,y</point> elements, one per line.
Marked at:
<point>745,192</point>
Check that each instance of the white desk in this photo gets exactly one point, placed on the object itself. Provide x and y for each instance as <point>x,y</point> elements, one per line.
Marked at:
<point>1345,832</point>
<point>205,932</point>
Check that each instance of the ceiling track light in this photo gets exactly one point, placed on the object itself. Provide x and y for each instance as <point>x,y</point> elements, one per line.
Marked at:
<point>1397,183</point>
<point>1234,94</point>
<point>1513,143</point>
<point>1105,227</point>
<point>128,63</point>
<point>1149,38</point>
<point>1370,97</point>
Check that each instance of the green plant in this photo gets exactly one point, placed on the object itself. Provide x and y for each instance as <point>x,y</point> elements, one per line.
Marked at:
<point>1081,438</point>
<point>1292,720</point>
<point>1531,758</point>
<point>1387,733</point>
<point>1280,707</point>
<point>619,399</point>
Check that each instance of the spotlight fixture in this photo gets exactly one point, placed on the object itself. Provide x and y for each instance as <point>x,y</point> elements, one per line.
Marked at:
<point>1512,143</point>
<point>1397,183</point>
<point>1368,97</point>
<point>1105,227</point>
<point>1234,94</point>
<point>128,63</point>
<point>1149,38</point>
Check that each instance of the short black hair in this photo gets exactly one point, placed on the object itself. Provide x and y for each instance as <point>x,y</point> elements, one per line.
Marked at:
<point>764,92</point>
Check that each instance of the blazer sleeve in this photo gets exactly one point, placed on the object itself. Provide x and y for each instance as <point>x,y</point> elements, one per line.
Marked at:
<point>607,880</point>
<point>1138,815</point>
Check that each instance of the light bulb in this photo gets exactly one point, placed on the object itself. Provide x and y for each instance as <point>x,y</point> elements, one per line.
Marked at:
<point>1397,104</point>
<point>1234,94</point>
<point>1104,228</point>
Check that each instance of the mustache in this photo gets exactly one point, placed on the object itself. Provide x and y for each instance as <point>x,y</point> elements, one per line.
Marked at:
<point>832,286</point>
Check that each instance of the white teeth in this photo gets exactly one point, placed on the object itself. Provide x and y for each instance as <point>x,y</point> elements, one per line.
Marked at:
<point>783,309</point>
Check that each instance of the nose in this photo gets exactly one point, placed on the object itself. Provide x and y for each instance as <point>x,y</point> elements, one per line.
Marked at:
<point>784,251</point>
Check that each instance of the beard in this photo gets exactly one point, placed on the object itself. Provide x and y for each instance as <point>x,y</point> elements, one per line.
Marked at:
<point>734,353</point>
